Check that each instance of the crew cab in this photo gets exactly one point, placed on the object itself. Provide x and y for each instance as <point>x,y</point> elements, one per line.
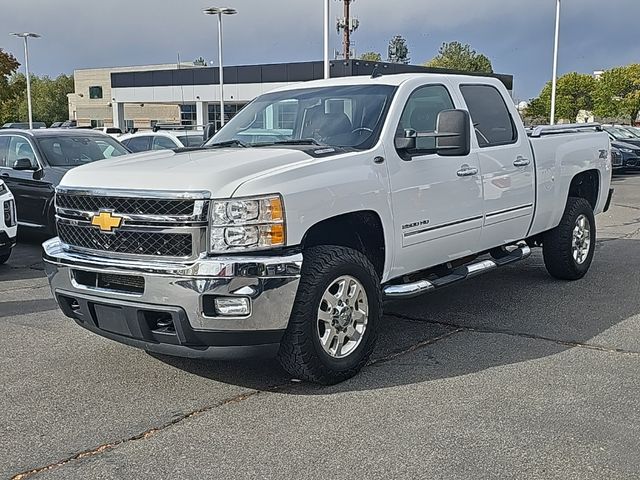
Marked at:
<point>367,189</point>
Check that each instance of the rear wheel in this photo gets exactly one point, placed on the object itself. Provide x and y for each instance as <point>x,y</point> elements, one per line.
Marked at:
<point>568,249</point>
<point>333,325</point>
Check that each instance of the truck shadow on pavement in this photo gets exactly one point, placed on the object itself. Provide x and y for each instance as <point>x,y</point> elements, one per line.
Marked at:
<point>26,259</point>
<point>511,315</point>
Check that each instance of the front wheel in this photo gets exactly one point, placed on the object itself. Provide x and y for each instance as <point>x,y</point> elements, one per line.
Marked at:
<point>5,257</point>
<point>568,249</point>
<point>333,324</point>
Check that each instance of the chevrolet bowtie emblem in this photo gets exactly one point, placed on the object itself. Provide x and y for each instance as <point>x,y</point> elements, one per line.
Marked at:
<point>106,221</point>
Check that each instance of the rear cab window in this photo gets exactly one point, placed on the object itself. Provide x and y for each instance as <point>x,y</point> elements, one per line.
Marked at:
<point>493,123</point>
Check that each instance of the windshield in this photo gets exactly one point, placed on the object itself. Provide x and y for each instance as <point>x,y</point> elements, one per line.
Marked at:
<point>633,131</point>
<point>339,116</point>
<point>73,150</point>
<point>619,133</point>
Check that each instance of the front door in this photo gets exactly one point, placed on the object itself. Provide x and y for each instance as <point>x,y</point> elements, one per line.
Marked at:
<point>507,167</point>
<point>30,193</point>
<point>437,201</point>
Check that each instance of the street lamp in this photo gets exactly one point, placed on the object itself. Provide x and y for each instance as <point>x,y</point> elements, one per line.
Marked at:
<point>326,39</point>
<point>219,11</point>
<point>555,65</point>
<point>25,36</point>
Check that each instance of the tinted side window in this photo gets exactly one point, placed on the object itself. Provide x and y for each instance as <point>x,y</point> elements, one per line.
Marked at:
<point>163,143</point>
<point>421,113</point>
<point>20,148</point>
<point>490,116</point>
<point>138,144</point>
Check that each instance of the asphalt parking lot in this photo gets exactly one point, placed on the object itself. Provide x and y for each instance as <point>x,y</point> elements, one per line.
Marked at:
<point>510,375</point>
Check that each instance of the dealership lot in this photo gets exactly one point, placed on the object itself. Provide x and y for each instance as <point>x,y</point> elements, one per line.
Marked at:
<point>512,374</point>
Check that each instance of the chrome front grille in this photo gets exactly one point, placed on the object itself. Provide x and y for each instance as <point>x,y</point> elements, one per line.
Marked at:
<point>169,224</point>
<point>127,241</point>
<point>127,206</point>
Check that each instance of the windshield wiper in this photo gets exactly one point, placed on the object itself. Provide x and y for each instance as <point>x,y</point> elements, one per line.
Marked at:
<point>293,141</point>
<point>228,143</point>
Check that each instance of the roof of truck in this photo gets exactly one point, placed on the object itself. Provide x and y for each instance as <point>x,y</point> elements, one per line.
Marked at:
<point>393,79</point>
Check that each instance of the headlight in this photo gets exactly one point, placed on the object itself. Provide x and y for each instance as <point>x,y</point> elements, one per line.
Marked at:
<point>627,150</point>
<point>247,224</point>
<point>3,187</point>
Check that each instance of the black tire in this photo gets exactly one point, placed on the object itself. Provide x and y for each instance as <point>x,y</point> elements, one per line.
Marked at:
<point>557,243</point>
<point>301,353</point>
<point>5,257</point>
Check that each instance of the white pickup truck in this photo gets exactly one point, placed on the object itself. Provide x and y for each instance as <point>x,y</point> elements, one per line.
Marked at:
<point>285,232</point>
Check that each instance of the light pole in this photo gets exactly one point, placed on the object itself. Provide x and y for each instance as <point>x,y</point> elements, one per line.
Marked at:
<point>25,36</point>
<point>555,65</point>
<point>326,39</point>
<point>219,11</point>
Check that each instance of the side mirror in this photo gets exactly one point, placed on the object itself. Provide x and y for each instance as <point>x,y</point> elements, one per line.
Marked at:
<point>406,141</point>
<point>453,133</point>
<point>209,131</point>
<point>24,164</point>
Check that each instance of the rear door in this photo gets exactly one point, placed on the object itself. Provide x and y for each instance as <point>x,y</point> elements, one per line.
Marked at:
<point>506,164</point>
<point>437,201</point>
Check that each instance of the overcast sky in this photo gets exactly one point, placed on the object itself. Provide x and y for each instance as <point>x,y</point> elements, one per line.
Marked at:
<point>517,35</point>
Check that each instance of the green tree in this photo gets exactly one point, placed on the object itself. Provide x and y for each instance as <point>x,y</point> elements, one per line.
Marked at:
<point>574,92</point>
<point>8,67</point>
<point>48,95</point>
<point>398,52</point>
<point>618,93</point>
<point>458,56</point>
<point>371,57</point>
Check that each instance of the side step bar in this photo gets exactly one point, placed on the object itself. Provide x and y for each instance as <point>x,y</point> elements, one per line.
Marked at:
<point>414,289</point>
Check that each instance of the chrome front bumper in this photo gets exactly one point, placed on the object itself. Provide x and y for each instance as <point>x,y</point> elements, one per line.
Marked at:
<point>270,282</point>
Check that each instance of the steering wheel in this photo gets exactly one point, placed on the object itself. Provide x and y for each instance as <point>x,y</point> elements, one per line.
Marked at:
<point>362,129</point>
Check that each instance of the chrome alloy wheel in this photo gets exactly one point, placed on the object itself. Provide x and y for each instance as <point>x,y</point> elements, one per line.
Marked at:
<point>581,239</point>
<point>342,316</point>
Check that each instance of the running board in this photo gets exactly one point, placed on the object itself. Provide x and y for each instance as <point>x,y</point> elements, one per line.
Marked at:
<point>414,289</point>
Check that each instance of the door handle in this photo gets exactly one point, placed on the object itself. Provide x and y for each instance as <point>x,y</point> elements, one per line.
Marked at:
<point>4,174</point>
<point>521,162</point>
<point>467,171</point>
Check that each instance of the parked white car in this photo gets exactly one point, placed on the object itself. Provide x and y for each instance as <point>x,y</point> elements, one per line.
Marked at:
<point>161,140</point>
<point>8,223</point>
<point>383,188</point>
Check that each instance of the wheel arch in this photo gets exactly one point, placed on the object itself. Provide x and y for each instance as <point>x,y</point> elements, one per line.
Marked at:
<point>586,184</point>
<point>361,230</point>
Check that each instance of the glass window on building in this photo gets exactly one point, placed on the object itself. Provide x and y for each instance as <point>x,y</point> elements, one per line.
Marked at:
<point>188,114</point>
<point>95,92</point>
<point>97,123</point>
<point>128,125</point>
<point>230,110</point>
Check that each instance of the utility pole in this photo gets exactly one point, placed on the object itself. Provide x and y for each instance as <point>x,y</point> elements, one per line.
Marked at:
<point>347,25</point>
<point>347,30</point>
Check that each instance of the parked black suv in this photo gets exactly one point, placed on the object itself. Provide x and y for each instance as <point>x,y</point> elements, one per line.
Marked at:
<point>32,163</point>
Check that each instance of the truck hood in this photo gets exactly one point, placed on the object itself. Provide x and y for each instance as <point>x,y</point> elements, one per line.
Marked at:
<point>219,171</point>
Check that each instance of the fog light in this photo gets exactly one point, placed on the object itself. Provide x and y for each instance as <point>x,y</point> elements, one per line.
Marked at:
<point>232,306</point>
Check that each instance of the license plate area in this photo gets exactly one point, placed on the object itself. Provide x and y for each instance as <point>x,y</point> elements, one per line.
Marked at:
<point>111,319</point>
